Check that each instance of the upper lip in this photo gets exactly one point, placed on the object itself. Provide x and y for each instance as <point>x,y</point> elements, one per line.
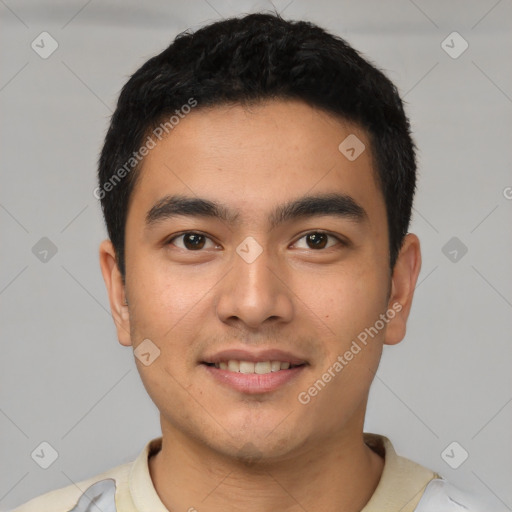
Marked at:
<point>255,356</point>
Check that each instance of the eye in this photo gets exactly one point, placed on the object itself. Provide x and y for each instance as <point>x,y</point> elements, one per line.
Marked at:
<point>192,241</point>
<point>318,240</point>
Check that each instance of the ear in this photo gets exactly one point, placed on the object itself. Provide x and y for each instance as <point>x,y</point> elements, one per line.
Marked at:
<point>116,291</point>
<point>403,283</point>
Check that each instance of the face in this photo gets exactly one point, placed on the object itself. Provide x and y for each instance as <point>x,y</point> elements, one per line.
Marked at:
<point>266,287</point>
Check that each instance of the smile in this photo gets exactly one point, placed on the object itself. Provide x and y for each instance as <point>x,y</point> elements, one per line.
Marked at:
<point>253,371</point>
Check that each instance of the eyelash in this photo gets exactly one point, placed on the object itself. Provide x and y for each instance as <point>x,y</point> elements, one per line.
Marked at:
<point>339,240</point>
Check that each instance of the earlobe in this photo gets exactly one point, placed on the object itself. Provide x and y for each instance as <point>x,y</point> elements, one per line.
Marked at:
<point>403,283</point>
<point>116,291</point>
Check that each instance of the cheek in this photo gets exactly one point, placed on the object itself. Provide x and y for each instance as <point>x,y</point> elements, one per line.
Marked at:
<point>347,301</point>
<point>351,305</point>
<point>163,296</point>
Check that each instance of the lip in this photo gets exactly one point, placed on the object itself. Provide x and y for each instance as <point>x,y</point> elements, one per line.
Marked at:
<point>254,356</point>
<point>252,383</point>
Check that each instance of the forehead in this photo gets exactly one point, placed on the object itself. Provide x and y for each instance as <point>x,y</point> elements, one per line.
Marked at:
<point>255,157</point>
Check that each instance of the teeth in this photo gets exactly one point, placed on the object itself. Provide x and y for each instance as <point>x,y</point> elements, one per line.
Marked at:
<point>233,366</point>
<point>263,367</point>
<point>247,367</point>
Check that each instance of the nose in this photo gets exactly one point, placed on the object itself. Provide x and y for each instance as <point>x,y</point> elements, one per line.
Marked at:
<point>255,293</point>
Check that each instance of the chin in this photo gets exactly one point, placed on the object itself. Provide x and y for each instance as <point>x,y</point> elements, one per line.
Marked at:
<point>258,445</point>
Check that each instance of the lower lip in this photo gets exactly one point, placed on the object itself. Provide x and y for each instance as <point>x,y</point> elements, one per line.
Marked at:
<point>253,383</point>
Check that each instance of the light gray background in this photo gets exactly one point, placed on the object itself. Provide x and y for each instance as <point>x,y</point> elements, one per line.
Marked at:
<point>64,377</point>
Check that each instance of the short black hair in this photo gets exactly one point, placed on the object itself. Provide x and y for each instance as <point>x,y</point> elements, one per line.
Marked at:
<point>243,60</point>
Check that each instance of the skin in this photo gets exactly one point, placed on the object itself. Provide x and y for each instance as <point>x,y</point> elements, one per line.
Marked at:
<point>224,449</point>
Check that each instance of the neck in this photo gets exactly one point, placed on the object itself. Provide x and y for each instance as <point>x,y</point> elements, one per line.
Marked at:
<point>340,475</point>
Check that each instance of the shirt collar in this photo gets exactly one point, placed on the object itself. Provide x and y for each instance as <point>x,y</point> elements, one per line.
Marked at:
<point>400,487</point>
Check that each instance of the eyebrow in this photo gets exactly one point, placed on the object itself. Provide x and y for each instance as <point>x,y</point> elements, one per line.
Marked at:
<point>333,204</point>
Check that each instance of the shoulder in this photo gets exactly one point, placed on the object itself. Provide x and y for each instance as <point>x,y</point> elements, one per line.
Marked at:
<point>101,491</point>
<point>410,487</point>
<point>440,495</point>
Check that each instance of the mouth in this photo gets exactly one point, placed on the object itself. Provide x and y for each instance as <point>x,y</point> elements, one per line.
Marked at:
<point>251,372</point>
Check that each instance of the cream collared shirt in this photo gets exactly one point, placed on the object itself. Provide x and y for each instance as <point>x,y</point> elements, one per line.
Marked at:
<point>404,487</point>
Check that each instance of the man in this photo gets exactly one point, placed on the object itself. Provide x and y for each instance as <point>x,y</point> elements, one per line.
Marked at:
<point>257,182</point>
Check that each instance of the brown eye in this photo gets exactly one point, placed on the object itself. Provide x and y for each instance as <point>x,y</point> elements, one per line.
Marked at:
<point>318,240</point>
<point>191,241</point>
